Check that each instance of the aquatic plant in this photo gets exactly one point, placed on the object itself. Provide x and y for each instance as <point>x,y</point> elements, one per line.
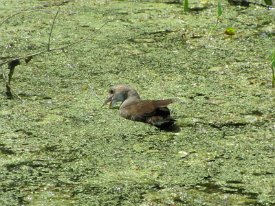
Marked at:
<point>219,13</point>
<point>186,5</point>
<point>219,10</point>
<point>230,31</point>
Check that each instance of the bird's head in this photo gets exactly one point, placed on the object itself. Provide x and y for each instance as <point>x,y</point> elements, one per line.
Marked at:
<point>119,93</point>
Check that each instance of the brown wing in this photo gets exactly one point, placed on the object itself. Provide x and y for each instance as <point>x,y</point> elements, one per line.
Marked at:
<point>141,110</point>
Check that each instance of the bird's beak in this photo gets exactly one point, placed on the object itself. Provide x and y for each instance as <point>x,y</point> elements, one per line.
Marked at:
<point>109,99</point>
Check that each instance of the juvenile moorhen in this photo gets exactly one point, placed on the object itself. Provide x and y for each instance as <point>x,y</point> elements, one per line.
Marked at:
<point>154,112</point>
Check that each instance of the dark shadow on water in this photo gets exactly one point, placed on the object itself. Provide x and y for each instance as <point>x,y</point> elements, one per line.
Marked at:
<point>170,128</point>
<point>233,187</point>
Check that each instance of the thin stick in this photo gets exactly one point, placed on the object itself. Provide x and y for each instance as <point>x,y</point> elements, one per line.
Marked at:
<point>19,12</point>
<point>9,90</point>
<point>54,49</point>
<point>9,17</point>
<point>50,35</point>
<point>92,90</point>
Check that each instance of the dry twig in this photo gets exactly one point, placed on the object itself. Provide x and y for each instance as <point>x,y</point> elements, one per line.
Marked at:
<point>54,49</point>
<point>50,35</point>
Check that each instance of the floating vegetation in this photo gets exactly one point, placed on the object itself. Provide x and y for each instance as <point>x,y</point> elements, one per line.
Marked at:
<point>230,31</point>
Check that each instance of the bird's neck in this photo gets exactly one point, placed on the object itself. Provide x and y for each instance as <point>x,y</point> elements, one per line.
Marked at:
<point>132,97</point>
<point>133,94</point>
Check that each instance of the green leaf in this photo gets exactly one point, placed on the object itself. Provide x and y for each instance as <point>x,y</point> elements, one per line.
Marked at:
<point>219,8</point>
<point>186,5</point>
<point>230,31</point>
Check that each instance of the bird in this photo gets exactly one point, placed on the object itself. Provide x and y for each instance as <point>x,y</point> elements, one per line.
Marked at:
<point>154,112</point>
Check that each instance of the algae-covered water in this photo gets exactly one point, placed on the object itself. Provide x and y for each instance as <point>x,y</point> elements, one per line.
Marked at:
<point>59,146</point>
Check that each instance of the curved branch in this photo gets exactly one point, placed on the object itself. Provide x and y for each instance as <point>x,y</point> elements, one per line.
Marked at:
<point>53,49</point>
<point>50,35</point>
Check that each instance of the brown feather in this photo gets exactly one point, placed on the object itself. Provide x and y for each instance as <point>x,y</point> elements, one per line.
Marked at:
<point>143,109</point>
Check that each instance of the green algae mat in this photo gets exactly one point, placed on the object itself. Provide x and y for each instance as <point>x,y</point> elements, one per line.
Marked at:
<point>59,146</point>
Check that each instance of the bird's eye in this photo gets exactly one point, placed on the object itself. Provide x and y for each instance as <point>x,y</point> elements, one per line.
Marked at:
<point>111,91</point>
